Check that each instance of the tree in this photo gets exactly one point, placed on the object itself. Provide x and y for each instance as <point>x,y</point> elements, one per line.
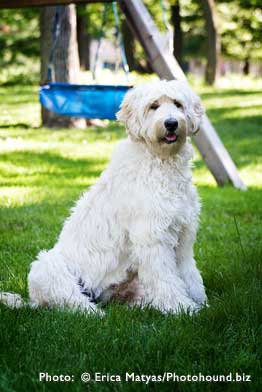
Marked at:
<point>178,34</point>
<point>241,31</point>
<point>189,30</point>
<point>213,41</point>
<point>66,59</point>
<point>83,38</point>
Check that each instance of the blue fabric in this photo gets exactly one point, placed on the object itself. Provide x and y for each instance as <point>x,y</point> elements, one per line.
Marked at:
<point>88,101</point>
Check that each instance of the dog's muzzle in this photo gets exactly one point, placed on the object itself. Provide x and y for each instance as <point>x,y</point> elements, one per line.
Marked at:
<point>171,135</point>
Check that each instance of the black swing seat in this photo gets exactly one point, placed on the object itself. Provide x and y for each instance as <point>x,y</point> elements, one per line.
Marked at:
<point>87,101</point>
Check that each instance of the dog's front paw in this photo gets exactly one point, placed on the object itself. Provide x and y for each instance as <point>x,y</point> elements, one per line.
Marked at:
<point>189,307</point>
<point>85,307</point>
<point>99,313</point>
<point>179,306</point>
<point>195,288</point>
<point>197,293</point>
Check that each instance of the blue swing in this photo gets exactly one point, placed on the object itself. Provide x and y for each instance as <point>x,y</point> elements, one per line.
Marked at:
<point>87,101</point>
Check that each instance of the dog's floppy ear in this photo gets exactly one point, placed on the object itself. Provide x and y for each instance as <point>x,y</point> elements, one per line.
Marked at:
<point>125,108</point>
<point>194,114</point>
<point>128,114</point>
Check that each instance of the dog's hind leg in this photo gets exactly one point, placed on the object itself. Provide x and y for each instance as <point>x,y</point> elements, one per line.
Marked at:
<point>51,283</point>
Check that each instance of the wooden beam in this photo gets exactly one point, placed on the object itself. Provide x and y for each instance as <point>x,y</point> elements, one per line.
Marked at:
<point>40,3</point>
<point>165,65</point>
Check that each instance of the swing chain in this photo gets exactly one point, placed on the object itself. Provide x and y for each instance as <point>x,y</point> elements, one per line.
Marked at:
<point>102,35</point>
<point>119,39</point>
<point>55,34</point>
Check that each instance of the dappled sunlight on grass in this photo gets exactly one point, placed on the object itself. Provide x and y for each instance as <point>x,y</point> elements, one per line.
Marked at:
<point>252,175</point>
<point>201,177</point>
<point>19,106</point>
<point>40,168</point>
<point>235,112</point>
<point>237,117</point>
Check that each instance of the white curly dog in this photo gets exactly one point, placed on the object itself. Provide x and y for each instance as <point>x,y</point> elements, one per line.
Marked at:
<point>131,236</point>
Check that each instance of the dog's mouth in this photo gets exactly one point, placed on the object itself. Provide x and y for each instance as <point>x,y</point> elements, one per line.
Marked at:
<point>170,138</point>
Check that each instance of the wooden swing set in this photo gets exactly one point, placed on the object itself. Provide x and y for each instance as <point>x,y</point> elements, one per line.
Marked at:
<point>166,67</point>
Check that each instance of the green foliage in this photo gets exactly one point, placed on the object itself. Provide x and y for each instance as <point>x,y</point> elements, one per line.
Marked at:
<point>19,35</point>
<point>43,171</point>
<point>240,28</point>
<point>239,24</point>
<point>94,14</point>
<point>193,28</point>
<point>155,9</point>
<point>24,72</point>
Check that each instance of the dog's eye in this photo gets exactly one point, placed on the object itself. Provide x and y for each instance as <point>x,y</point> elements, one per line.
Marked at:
<point>154,106</point>
<point>178,104</point>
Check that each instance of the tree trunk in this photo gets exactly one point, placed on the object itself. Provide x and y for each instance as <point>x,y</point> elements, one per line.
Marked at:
<point>246,67</point>
<point>66,60</point>
<point>129,45</point>
<point>213,41</point>
<point>83,41</point>
<point>178,35</point>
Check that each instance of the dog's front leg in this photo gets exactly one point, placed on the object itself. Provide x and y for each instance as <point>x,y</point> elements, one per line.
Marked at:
<point>158,274</point>
<point>188,269</point>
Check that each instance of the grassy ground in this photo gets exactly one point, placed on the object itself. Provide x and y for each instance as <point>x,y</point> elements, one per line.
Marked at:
<point>42,172</point>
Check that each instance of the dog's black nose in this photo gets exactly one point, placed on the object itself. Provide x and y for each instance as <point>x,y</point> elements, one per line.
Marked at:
<point>171,124</point>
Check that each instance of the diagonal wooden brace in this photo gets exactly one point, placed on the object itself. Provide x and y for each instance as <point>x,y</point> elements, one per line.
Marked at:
<point>165,65</point>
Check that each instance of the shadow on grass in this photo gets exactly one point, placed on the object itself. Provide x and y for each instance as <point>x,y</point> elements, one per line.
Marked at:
<point>16,91</point>
<point>112,131</point>
<point>17,102</point>
<point>17,125</point>
<point>48,166</point>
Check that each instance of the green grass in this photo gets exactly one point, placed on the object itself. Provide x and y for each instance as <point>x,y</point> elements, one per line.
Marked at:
<point>42,173</point>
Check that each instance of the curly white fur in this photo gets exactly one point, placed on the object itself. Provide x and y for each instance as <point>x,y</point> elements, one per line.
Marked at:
<point>140,216</point>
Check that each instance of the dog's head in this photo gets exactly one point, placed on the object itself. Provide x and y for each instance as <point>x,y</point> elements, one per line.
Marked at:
<point>161,114</point>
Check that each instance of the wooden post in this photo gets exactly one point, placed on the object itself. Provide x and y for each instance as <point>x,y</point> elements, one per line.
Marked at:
<point>165,65</point>
<point>40,3</point>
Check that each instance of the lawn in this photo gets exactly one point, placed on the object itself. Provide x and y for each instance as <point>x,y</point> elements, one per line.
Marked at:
<point>42,173</point>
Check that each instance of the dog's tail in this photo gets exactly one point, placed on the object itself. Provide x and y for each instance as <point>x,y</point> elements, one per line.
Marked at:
<point>14,301</point>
